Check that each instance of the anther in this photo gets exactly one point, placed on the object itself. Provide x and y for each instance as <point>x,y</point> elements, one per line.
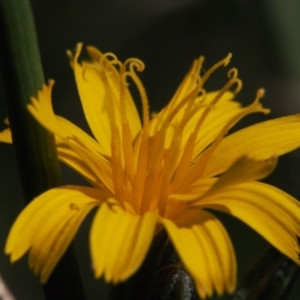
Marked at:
<point>260,93</point>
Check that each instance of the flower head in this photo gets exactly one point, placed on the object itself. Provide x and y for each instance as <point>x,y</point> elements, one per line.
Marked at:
<point>159,172</point>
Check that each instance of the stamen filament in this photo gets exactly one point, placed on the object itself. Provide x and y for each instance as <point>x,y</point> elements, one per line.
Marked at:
<point>155,163</point>
<point>126,132</point>
<point>190,98</point>
<point>224,62</point>
<point>116,155</point>
<point>190,111</point>
<point>134,62</point>
<point>190,145</point>
<point>170,161</point>
<point>184,164</point>
<point>141,169</point>
<point>184,88</point>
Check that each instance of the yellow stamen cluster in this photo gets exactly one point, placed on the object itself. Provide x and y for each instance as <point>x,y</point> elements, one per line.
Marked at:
<point>144,172</point>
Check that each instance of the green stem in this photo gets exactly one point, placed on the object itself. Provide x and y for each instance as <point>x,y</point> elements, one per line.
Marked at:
<point>271,276</point>
<point>34,147</point>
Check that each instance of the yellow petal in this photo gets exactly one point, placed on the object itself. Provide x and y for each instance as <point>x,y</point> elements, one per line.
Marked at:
<point>205,249</point>
<point>5,136</point>
<point>260,141</point>
<point>97,165</point>
<point>51,243</point>
<point>131,110</point>
<point>41,109</point>
<point>221,114</point>
<point>242,170</point>
<point>195,191</point>
<point>69,157</point>
<point>48,224</point>
<point>93,95</point>
<point>69,139</point>
<point>97,85</point>
<point>74,131</point>
<point>119,241</point>
<point>272,213</point>
<point>187,85</point>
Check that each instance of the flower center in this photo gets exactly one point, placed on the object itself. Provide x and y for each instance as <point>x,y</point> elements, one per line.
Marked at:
<point>162,160</point>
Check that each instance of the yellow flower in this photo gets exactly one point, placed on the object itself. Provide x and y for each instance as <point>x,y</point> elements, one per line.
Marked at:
<point>161,174</point>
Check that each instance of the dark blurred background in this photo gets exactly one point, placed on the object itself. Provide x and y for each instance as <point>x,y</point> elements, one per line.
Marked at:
<point>167,35</point>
